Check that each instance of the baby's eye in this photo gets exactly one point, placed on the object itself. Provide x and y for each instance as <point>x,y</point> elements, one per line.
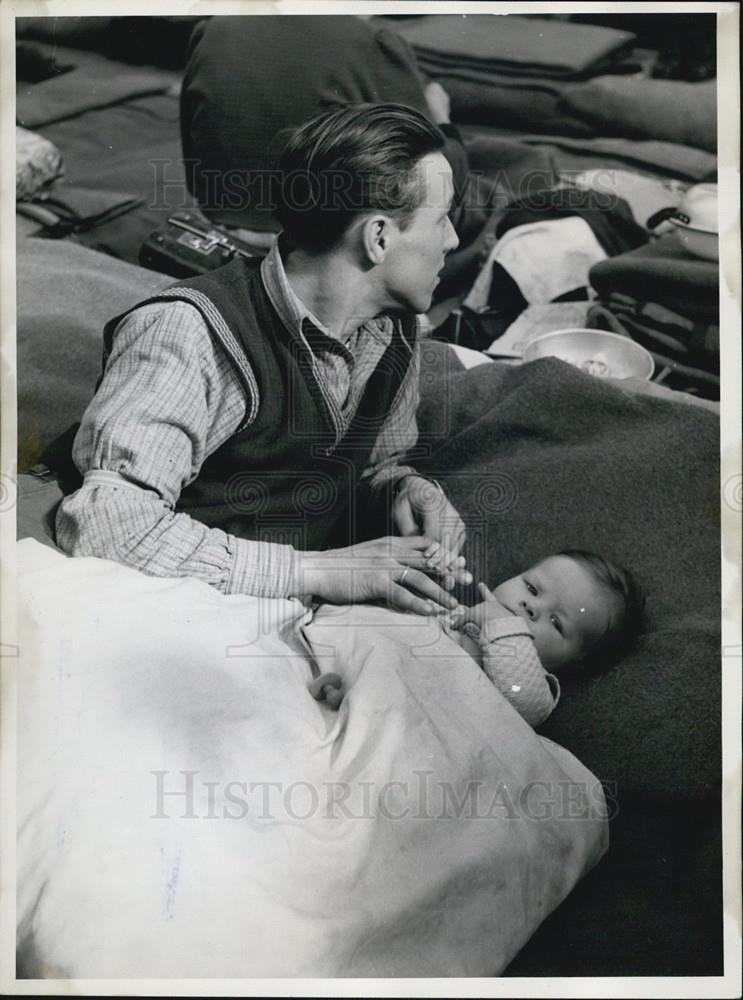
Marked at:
<point>531,588</point>
<point>557,623</point>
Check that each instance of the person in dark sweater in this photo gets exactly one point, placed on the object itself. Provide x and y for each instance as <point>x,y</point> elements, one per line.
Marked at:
<point>250,80</point>
<point>251,423</point>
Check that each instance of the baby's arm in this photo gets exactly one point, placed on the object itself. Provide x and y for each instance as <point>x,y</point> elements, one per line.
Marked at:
<point>510,659</point>
<point>512,664</point>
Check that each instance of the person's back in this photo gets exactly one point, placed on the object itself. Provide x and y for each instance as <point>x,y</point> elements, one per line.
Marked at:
<point>250,78</point>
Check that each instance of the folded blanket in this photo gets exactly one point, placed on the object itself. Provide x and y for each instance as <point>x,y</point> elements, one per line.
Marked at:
<point>686,354</point>
<point>38,163</point>
<point>667,330</point>
<point>542,457</point>
<point>529,103</point>
<point>422,830</point>
<point>95,82</point>
<point>513,157</point>
<point>522,45</point>
<point>670,110</point>
<point>662,272</point>
<point>60,319</point>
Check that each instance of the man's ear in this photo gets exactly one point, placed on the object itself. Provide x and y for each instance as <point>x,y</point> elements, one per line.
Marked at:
<point>376,234</point>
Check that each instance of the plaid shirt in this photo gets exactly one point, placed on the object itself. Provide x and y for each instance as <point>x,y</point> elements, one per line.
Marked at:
<point>169,398</point>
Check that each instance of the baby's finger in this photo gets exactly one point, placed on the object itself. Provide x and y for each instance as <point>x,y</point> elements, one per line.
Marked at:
<point>486,592</point>
<point>463,577</point>
<point>466,616</point>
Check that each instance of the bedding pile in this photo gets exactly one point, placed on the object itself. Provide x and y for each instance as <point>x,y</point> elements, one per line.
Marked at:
<point>514,45</point>
<point>666,300</point>
<point>512,72</point>
<point>187,809</point>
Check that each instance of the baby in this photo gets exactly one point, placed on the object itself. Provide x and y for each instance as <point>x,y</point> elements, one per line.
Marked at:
<point>569,608</point>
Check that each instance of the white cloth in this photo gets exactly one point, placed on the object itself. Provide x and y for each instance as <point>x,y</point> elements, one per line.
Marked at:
<point>536,320</point>
<point>545,259</point>
<point>329,860</point>
<point>644,195</point>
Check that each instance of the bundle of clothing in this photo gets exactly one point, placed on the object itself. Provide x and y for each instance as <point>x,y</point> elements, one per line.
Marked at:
<point>667,301</point>
<point>38,163</point>
<point>546,244</point>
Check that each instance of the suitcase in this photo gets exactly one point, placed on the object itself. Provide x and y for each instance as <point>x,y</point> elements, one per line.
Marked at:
<point>188,245</point>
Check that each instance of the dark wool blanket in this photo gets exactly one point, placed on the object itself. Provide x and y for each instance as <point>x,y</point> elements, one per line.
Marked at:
<point>537,458</point>
<point>543,457</point>
<point>519,45</point>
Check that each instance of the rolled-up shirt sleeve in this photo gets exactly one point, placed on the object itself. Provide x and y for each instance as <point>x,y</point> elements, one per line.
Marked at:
<point>168,399</point>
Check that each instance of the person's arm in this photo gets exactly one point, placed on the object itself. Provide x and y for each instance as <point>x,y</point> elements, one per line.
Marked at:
<point>168,399</point>
<point>509,657</point>
<point>419,504</point>
<point>511,662</point>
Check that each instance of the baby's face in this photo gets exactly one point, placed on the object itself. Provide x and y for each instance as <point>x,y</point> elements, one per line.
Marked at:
<point>567,610</point>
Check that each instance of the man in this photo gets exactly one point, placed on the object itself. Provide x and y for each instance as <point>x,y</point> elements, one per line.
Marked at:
<point>251,78</point>
<point>251,417</point>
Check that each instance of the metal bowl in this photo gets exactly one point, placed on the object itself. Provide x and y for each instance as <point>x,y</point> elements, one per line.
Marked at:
<point>698,242</point>
<point>606,355</point>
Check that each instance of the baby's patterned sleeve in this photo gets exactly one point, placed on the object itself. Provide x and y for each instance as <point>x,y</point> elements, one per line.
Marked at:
<point>510,660</point>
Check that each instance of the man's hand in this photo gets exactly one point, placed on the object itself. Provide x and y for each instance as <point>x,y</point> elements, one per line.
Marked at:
<point>421,508</point>
<point>478,614</point>
<point>385,569</point>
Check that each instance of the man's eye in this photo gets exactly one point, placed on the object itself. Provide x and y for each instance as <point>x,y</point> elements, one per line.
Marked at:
<point>557,623</point>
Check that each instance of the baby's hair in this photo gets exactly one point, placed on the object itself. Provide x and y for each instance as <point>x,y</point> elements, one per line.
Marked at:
<point>625,625</point>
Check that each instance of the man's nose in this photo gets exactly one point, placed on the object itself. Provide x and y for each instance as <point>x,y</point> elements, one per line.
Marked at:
<point>452,240</point>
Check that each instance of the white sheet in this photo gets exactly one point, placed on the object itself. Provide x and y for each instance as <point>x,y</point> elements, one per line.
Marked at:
<point>122,675</point>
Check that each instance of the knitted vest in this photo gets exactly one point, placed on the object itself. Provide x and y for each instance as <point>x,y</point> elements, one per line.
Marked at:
<point>288,474</point>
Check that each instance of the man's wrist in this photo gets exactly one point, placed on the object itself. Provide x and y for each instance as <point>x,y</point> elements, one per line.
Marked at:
<point>402,482</point>
<point>306,574</point>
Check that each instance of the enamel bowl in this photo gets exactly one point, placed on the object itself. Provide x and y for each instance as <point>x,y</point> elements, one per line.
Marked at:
<point>598,352</point>
<point>695,221</point>
<point>698,242</point>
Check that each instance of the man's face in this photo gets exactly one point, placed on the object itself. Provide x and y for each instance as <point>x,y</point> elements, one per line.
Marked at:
<point>417,252</point>
<point>566,609</point>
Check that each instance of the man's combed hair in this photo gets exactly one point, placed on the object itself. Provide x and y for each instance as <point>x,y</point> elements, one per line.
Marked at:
<point>354,160</point>
<point>627,623</point>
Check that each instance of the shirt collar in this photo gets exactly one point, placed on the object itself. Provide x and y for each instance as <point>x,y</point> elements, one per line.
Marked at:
<point>292,311</point>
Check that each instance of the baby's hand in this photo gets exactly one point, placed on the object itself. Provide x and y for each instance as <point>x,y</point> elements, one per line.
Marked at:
<point>478,614</point>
